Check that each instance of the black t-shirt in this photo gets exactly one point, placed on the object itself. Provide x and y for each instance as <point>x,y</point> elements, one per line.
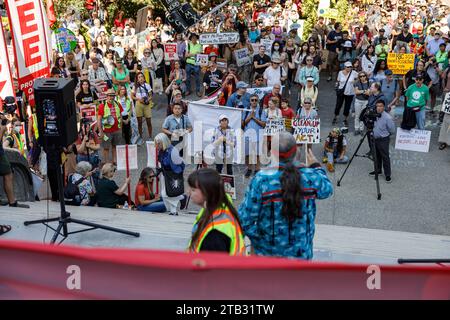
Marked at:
<point>411,78</point>
<point>408,38</point>
<point>260,61</point>
<point>106,196</point>
<point>341,43</point>
<point>333,35</point>
<point>216,241</point>
<point>213,85</point>
<point>87,98</point>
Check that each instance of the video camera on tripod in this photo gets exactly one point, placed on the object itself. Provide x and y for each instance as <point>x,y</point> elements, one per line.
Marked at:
<point>368,117</point>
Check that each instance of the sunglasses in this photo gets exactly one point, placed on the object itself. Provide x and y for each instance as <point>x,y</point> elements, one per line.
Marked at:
<point>307,103</point>
<point>84,74</point>
<point>309,60</point>
<point>363,76</point>
<point>253,100</point>
<point>146,52</point>
<point>348,67</point>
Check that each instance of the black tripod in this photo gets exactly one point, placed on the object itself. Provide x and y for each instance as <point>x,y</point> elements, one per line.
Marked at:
<point>369,134</point>
<point>65,218</point>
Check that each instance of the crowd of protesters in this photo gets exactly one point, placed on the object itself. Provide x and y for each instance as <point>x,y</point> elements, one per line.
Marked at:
<point>120,71</point>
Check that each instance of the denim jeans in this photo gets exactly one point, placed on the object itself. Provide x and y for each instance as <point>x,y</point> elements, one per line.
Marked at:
<point>194,71</point>
<point>334,155</point>
<point>420,119</point>
<point>153,207</point>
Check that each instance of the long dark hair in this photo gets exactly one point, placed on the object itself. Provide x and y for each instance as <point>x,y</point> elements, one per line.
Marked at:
<point>89,88</point>
<point>211,185</point>
<point>378,66</point>
<point>144,175</point>
<point>291,188</point>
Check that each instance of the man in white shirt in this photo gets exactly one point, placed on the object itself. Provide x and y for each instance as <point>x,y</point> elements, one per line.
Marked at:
<point>275,74</point>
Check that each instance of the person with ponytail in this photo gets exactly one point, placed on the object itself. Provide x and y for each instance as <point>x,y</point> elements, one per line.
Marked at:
<point>279,208</point>
<point>217,226</point>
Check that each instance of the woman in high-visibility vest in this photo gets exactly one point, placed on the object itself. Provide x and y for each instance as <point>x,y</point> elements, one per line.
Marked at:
<point>217,226</point>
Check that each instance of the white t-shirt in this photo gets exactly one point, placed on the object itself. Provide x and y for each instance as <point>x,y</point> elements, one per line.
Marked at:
<point>273,76</point>
<point>140,92</point>
<point>342,78</point>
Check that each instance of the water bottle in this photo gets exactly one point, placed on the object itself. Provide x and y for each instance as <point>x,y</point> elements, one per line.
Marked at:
<point>126,206</point>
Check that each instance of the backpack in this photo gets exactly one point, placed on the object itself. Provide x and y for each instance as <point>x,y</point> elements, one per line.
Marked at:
<point>72,192</point>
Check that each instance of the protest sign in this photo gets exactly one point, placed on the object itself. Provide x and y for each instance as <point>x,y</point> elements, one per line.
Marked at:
<point>261,92</point>
<point>222,64</point>
<point>122,157</point>
<point>255,47</point>
<point>306,130</point>
<point>413,140</point>
<point>446,104</point>
<point>228,183</point>
<point>330,13</point>
<point>32,48</point>
<point>400,63</point>
<point>267,43</point>
<point>101,87</point>
<point>219,38</point>
<point>152,161</point>
<point>242,57</point>
<point>274,126</point>
<point>89,112</point>
<point>65,40</point>
<point>170,51</point>
<point>201,60</point>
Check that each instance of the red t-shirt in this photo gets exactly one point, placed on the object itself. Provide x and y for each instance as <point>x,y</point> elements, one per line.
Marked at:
<point>141,190</point>
<point>101,112</point>
<point>208,50</point>
<point>287,113</point>
<point>119,23</point>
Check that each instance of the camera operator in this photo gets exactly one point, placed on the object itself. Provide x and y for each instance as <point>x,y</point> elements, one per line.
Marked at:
<point>88,146</point>
<point>384,126</point>
<point>6,171</point>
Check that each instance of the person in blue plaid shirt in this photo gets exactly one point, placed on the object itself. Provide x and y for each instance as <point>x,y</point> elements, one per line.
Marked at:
<point>279,209</point>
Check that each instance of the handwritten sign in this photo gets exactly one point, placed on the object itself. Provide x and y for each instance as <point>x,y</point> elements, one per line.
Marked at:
<point>242,57</point>
<point>89,112</point>
<point>274,126</point>
<point>306,130</point>
<point>228,182</point>
<point>170,51</point>
<point>65,40</point>
<point>122,159</point>
<point>219,38</point>
<point>267,43</point>
<point>201,60</point>
<point>446,104</point>
<point>413,140</point>
<point>400,63</point>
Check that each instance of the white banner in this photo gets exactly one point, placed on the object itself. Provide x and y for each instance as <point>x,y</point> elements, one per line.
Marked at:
<point>446,104</point>
<point>413,140</point>
<point>122,159</point>
<point>6,85</point>
<point>29,29</point>
<point>204,119</point>
<point>152,160</point>
<point>219,38</point>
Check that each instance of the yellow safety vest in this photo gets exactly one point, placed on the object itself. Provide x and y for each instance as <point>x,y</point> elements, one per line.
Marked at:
<point>19,144</point>
<point>35,126</point>
<point>225,222</point>
<point>107,113</point>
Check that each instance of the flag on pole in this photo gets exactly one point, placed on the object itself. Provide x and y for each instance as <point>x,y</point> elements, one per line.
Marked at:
<point>6,85</point>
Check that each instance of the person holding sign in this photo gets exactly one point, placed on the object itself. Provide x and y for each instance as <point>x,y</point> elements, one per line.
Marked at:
<point>417,96</point>
<point>278,213</point>
<point>224,141</point>
<point>109,194</point>
<point>444,115</point>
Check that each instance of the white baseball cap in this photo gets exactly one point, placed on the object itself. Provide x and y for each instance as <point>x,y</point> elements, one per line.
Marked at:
<point>222,116</point>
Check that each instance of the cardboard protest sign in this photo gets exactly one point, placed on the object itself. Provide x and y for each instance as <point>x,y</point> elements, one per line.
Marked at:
<point>219,38</point>
<point>446,104</point>
<point>228,182</point>
<point>122,159</point>
<point>242,57</point>
<point>201,60</point>
<point>400,63</point>
<point>273,126</point>
<point>267,43</point>
<point>306,130</point>
<point>170,51</point>
<point>413,140</point>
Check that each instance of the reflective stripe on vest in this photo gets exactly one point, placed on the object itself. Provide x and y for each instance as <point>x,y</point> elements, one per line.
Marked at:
<point>127,106</point>
<point>224,222</point>
<point>107,113</point>
<point>20,146</point>
<point>35,126</point>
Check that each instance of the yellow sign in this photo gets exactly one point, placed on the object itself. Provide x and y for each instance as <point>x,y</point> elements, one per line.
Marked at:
<point>400,63</point>
<point>330,13</point>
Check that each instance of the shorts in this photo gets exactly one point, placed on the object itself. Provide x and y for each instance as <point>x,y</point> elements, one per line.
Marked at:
<point>143,110</point>
<point>114,139</point>
<point>332,58</point>
<point>5,166</point>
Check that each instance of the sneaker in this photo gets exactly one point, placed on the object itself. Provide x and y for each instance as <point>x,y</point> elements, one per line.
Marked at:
<point>324,159</point>
<point>373,173</point>
<point>248,173</point>
<point>329,79</point>
<point>345,123</point>
<point>330,167</point>
<point>334,121</point>
<point>388,179</point>
<point>17,205</point>
<point>173,214</point>
<point>442,146</point>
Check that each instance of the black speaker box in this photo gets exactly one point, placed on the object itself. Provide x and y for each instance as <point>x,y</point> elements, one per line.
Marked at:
<point>55,111</point>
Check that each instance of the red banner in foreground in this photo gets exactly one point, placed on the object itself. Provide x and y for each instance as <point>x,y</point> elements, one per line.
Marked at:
<point>36,271</point>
